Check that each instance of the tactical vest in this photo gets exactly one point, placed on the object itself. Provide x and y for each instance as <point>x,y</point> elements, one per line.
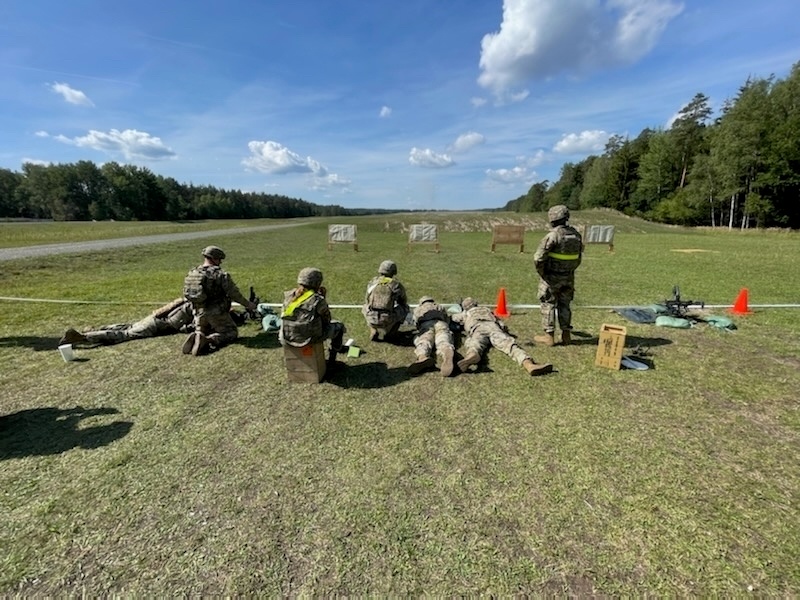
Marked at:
<point>565,257</point>
<point>429,311</point>
<point>476,316</point>
<point>381,296</point>
<point>201,286</point>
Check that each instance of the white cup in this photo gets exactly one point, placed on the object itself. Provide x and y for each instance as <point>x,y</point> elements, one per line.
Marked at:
<point>66,352</point>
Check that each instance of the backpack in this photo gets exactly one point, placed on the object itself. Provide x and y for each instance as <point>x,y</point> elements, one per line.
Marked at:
<point>197,286</point>
<point>381,296</point>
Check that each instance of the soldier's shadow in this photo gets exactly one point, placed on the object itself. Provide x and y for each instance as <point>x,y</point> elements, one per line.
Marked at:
<point>369,375</point>
<point>50,430</point>
<point>261,340</point>
<point>36,343</point>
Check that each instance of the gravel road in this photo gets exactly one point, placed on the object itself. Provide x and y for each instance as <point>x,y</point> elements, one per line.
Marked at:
<point>98,245</point>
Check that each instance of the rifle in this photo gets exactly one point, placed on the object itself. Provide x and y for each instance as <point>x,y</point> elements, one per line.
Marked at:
<point>678,307</point>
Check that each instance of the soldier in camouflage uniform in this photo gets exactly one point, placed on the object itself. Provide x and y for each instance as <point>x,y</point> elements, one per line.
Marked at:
<point>558,255</point>
<point>385,305</point>
<point>210,290</point>
<point>175,317</point>
<point>306,317</point>
<point>484,330</point>
<point>433,333</point>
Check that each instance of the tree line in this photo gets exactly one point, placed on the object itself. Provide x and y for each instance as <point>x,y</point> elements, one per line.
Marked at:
<point>741,169</point>
<point>83,191</point>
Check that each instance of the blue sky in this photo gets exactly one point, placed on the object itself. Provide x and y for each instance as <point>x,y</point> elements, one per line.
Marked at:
<point>407,104</point>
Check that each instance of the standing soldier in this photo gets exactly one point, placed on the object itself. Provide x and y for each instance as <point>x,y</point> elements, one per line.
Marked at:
<point>306,317</point>
<point>385,306</point>
<point>210,291</point>
<point>433,333</point>
<point>483,331</point>
<point>556,258</point>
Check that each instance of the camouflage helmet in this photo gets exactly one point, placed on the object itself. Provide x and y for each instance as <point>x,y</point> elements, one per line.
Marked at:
<point>468,303</point>
<point>425,299</point>
<point>387,268</point>
<point>559,212</point>
<point>214,252</point>
<point>310,277</point>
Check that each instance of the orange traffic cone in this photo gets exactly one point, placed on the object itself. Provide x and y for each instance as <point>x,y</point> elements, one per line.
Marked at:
<point>501,310</point>
<point>740,306</point>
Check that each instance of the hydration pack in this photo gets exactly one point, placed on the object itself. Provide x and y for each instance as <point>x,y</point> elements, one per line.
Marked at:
<point>381,296</point>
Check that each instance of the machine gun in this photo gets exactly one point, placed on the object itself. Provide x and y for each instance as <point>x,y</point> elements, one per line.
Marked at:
<point>678,307</point>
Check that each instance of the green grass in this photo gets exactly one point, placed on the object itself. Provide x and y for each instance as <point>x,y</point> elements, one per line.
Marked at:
<point>142,471</point>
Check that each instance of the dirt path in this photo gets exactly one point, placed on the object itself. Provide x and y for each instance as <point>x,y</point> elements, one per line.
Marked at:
<point>98,245</point>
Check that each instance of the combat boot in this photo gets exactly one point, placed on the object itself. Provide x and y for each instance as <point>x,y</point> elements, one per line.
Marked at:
<point>566,337</point>
<point>73,336</point>
<point>535,369</point>
<point>447,363</point>
<point>548,339</point>
<point>472,358</point>
<point>373,334</point>
<point>423,363</point>
<point>188,344</point>
<point>200,344</point>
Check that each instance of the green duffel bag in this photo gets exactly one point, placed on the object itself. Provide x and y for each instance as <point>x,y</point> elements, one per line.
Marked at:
<point>676,322</point>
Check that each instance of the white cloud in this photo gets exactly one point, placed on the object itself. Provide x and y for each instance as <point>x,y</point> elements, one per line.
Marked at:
<point>43,134</point>
<point>465,142</point>
<point>36,161</point>
<point>429,159</point>
<point>477,101</point>
<point>523,173</point>
<point>585,141</point>
<point>329,181</point>
<point>543,38</point>
<point>130,143</point>
<point>71,95</point>
<point>276,159</point>
<point>518,174</point>
<point>385,112</point>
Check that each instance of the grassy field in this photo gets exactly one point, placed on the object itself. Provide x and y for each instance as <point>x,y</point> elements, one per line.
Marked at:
<point>138,470</point>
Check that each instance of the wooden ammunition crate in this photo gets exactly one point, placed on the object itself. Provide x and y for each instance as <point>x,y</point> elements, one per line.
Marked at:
<point>305,364</point>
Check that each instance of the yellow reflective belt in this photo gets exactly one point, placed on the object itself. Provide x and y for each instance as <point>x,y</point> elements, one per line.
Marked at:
<point>289,311</point>
<point>564,256</point>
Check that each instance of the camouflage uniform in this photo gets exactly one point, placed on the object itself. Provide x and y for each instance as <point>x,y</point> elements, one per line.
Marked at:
<point>556,259</point>
<point>212,318</point>
<point>310,320</point>
<point>433,333</point>
<point>484,330</point>
<point>175,317</point>
<point>386,320</point>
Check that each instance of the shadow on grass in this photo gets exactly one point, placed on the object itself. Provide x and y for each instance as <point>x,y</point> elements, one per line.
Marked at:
<point>46,431</point>
<point>33,342</point>
<point>260,340</point>
<point>367,375</point>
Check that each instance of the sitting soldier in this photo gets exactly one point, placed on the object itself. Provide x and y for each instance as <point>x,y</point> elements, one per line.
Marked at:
<point>210,290</point>
<point>385,306</point>
<point>484,330</point>
<point>433,334</point>
<point>306,317</point>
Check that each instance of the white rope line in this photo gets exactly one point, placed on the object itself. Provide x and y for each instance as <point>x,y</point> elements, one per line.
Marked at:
<point>358,306</point>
